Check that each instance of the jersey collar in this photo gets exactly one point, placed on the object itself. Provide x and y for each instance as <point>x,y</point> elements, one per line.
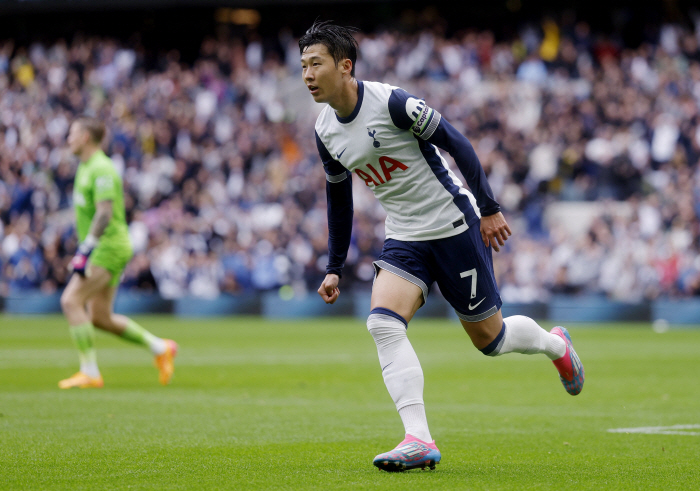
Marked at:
<point>94,156</point>
<point>353,114</point>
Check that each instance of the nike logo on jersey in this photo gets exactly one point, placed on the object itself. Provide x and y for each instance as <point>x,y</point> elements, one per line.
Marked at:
<point>341,153</point>
<point>386,366</point>
<point>472,307</point>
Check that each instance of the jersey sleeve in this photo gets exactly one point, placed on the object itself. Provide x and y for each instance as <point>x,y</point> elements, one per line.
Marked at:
<point>411,113</point>
<point>103,185</point>
<point>448,138</point>
<point>340,209</point>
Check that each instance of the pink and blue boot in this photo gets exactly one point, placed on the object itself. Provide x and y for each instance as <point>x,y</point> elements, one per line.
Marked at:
<point>411,453</point>
<point>570,368</point>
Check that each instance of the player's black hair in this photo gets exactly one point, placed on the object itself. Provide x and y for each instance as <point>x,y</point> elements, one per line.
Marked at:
<point>338,39</point>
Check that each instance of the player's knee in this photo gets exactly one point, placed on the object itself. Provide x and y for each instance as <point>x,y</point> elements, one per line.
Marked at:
<point>481,333</point>
<point>69,302</point>
<point>101,321</point>
<point>98,322</point>
<point>386,326</point>
<point>491,346</point>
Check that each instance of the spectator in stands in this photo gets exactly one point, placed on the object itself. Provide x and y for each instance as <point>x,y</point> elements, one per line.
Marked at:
<point>216,154</point>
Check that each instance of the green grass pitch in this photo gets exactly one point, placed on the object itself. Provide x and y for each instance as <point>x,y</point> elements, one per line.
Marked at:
<point>258,404</point>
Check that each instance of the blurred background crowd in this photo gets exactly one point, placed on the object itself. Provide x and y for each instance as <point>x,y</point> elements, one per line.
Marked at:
<point>591,147</point>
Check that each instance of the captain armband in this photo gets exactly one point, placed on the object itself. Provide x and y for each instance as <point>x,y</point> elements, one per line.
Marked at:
<point>425,118</point>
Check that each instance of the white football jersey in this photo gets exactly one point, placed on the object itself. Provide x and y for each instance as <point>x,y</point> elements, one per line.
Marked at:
<point>383,142</point>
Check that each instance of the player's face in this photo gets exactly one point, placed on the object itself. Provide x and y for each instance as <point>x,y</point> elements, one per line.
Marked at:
<point>321,75</point>
<point>77,138</point>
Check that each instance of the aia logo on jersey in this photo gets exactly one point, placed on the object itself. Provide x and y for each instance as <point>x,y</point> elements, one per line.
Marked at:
<point>387,165</point>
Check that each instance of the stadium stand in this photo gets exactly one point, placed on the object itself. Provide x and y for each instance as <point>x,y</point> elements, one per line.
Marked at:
<point>225,193</point>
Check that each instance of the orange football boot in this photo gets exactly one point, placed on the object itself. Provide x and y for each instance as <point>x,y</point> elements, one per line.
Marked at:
<point>166,362</point>
<point>81,381</point>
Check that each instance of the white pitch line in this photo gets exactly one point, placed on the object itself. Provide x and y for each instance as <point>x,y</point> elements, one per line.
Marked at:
<point>660,430</point>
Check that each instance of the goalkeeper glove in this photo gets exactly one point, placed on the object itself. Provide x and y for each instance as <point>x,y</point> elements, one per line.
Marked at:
<point>79,261</point>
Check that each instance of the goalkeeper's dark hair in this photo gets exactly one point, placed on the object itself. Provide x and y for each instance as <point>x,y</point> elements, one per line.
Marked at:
<point>338,39</point>
<point>94,127</point>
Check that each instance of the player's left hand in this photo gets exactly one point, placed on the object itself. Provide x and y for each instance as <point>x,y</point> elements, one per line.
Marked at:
<point>494,230</point>
<point>79,261</point>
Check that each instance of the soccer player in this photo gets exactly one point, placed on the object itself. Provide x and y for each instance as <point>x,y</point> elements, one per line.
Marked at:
<point>104,251</point>
<point>436,230</point>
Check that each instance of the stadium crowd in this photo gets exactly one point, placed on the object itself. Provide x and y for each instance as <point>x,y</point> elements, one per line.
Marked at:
<point>225,191</point>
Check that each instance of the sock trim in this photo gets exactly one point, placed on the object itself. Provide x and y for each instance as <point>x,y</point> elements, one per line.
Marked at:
<point>494,346</point>
<point>391,313</point>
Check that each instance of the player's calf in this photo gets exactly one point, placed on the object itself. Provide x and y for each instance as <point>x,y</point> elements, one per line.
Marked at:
<point>520,334</point>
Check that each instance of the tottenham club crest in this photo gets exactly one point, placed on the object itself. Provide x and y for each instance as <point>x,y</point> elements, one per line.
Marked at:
<point>371,134</point>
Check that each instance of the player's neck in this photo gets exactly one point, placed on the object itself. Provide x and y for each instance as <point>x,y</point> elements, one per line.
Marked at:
<point>345,104</point>
<point>88,152</point>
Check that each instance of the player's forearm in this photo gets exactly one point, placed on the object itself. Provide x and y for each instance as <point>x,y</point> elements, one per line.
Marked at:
<point>340,214</point>
<point>101,219</point>
<point>448,138</point>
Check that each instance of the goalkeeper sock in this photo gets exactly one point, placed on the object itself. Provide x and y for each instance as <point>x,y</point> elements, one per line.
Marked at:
<point>137,334</point>
<point>84,338</point>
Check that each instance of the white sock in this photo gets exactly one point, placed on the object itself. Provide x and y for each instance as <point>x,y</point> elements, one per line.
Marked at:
<point>90,369</point>
<point>155,344</point>
<point>524,335</point>
<point>403,375</point>
<point>414,421</point>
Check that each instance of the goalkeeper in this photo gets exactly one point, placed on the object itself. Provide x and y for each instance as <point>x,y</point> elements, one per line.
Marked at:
<point>104,251</point>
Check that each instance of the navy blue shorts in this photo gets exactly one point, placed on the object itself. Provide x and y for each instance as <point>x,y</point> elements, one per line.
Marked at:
<point>461,265</point>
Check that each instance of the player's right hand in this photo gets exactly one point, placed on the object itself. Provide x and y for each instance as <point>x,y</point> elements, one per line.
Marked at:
<point>329,288</point>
